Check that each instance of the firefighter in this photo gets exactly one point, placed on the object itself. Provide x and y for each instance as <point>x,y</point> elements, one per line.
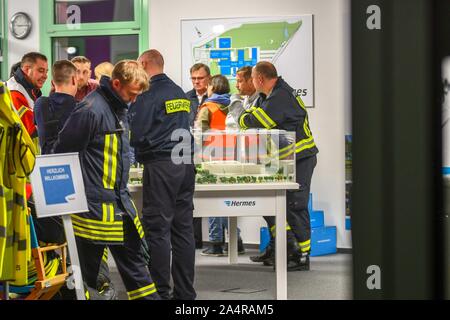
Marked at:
<point>163,143</point>
<point>279,108</point>
<point>98,130</point>
<point>50,115</point>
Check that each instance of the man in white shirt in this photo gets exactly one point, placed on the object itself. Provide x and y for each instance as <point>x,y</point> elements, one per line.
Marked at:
<point>239,103</point>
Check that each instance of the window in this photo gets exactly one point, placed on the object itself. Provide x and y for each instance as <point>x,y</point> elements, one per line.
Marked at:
<point>101,30</point>
<point>97,48</point>
<point>91,11</point>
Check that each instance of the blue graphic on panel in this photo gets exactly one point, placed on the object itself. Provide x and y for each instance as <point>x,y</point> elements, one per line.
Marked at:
<point>226,71</point>
<point>254,53</point>
<point>224,43</point>
<point>225,63</point>
<point>214,54</point>
<point>220,54</point>
<point>241,55</point>
<point>58,184</point>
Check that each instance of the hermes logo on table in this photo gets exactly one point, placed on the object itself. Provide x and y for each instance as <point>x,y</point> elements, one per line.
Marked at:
<point>230,203</point>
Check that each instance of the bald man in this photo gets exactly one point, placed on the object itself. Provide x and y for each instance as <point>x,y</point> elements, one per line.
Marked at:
<point>169,179</point>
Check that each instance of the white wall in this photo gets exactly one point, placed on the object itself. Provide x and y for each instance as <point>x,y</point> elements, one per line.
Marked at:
<point>332,48</point>
<point>16,47</point>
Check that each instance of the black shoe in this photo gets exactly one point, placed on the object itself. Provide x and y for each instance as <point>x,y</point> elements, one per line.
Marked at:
<point>108,292</point>
<point>270,261</point>
<point>298,263</point>
<point>241,249</point>
<point>214,250</point>
<point>198,245</point>
<point>268,254</point>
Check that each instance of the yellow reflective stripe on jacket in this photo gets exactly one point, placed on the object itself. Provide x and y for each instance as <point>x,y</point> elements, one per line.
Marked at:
<point>242,121</point>
<point>110,161</point>
<point>96,224</point>
<point>139,228</point>
<point>22,111</point>
<point>137,222</point>
<point>98,235</point>
<point>286,151</point>
<point>305,246</point>
<point>108,212</point>
<point>299,147</point>
<point>264,118</point>
<point>22,241</point>
<point>304,144</point>
<point>273,229</point>
<point>300,101</point>
<point>142,292</point>
<point>306,127</point>
<point>251,109</point>
<point>178,105</point>
<point>105,255</point>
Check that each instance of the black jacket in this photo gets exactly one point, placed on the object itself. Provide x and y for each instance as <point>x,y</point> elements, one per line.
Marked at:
<point>98,130</point>
<point>192,96</point>
<point>50,114</point>
<point>156,114</point>
<point>282,110</point>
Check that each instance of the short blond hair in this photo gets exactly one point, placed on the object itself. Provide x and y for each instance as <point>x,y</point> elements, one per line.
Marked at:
<point>80,59</point>
<point>103,69</point>
<point>130,71</point>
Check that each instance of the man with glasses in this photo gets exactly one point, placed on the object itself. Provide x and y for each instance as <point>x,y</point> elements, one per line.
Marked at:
<point>200,75</point>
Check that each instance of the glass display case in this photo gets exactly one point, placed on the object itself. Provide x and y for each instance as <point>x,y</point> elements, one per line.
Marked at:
<point>230,157</point>
<point>251,156</point>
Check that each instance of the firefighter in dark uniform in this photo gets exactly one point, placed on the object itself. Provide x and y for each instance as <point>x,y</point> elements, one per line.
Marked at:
<point>163,143</point>
<point>98,130</point>
<point>279,108</point>
<point>50,115</point>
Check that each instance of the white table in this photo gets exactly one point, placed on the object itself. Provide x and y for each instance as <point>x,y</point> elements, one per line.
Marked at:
<point>243,200</point>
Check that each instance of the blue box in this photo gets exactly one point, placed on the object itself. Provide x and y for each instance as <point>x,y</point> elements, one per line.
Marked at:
<point>316,219</point>
<point>323,241</point>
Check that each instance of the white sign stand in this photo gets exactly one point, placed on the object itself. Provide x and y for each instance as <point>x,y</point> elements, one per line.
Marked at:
<point>58,190</point>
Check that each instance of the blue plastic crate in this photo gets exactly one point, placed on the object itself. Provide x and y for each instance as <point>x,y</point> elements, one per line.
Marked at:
<point>310,203</point>
<point>316,219</point>
<point>323,241</point>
